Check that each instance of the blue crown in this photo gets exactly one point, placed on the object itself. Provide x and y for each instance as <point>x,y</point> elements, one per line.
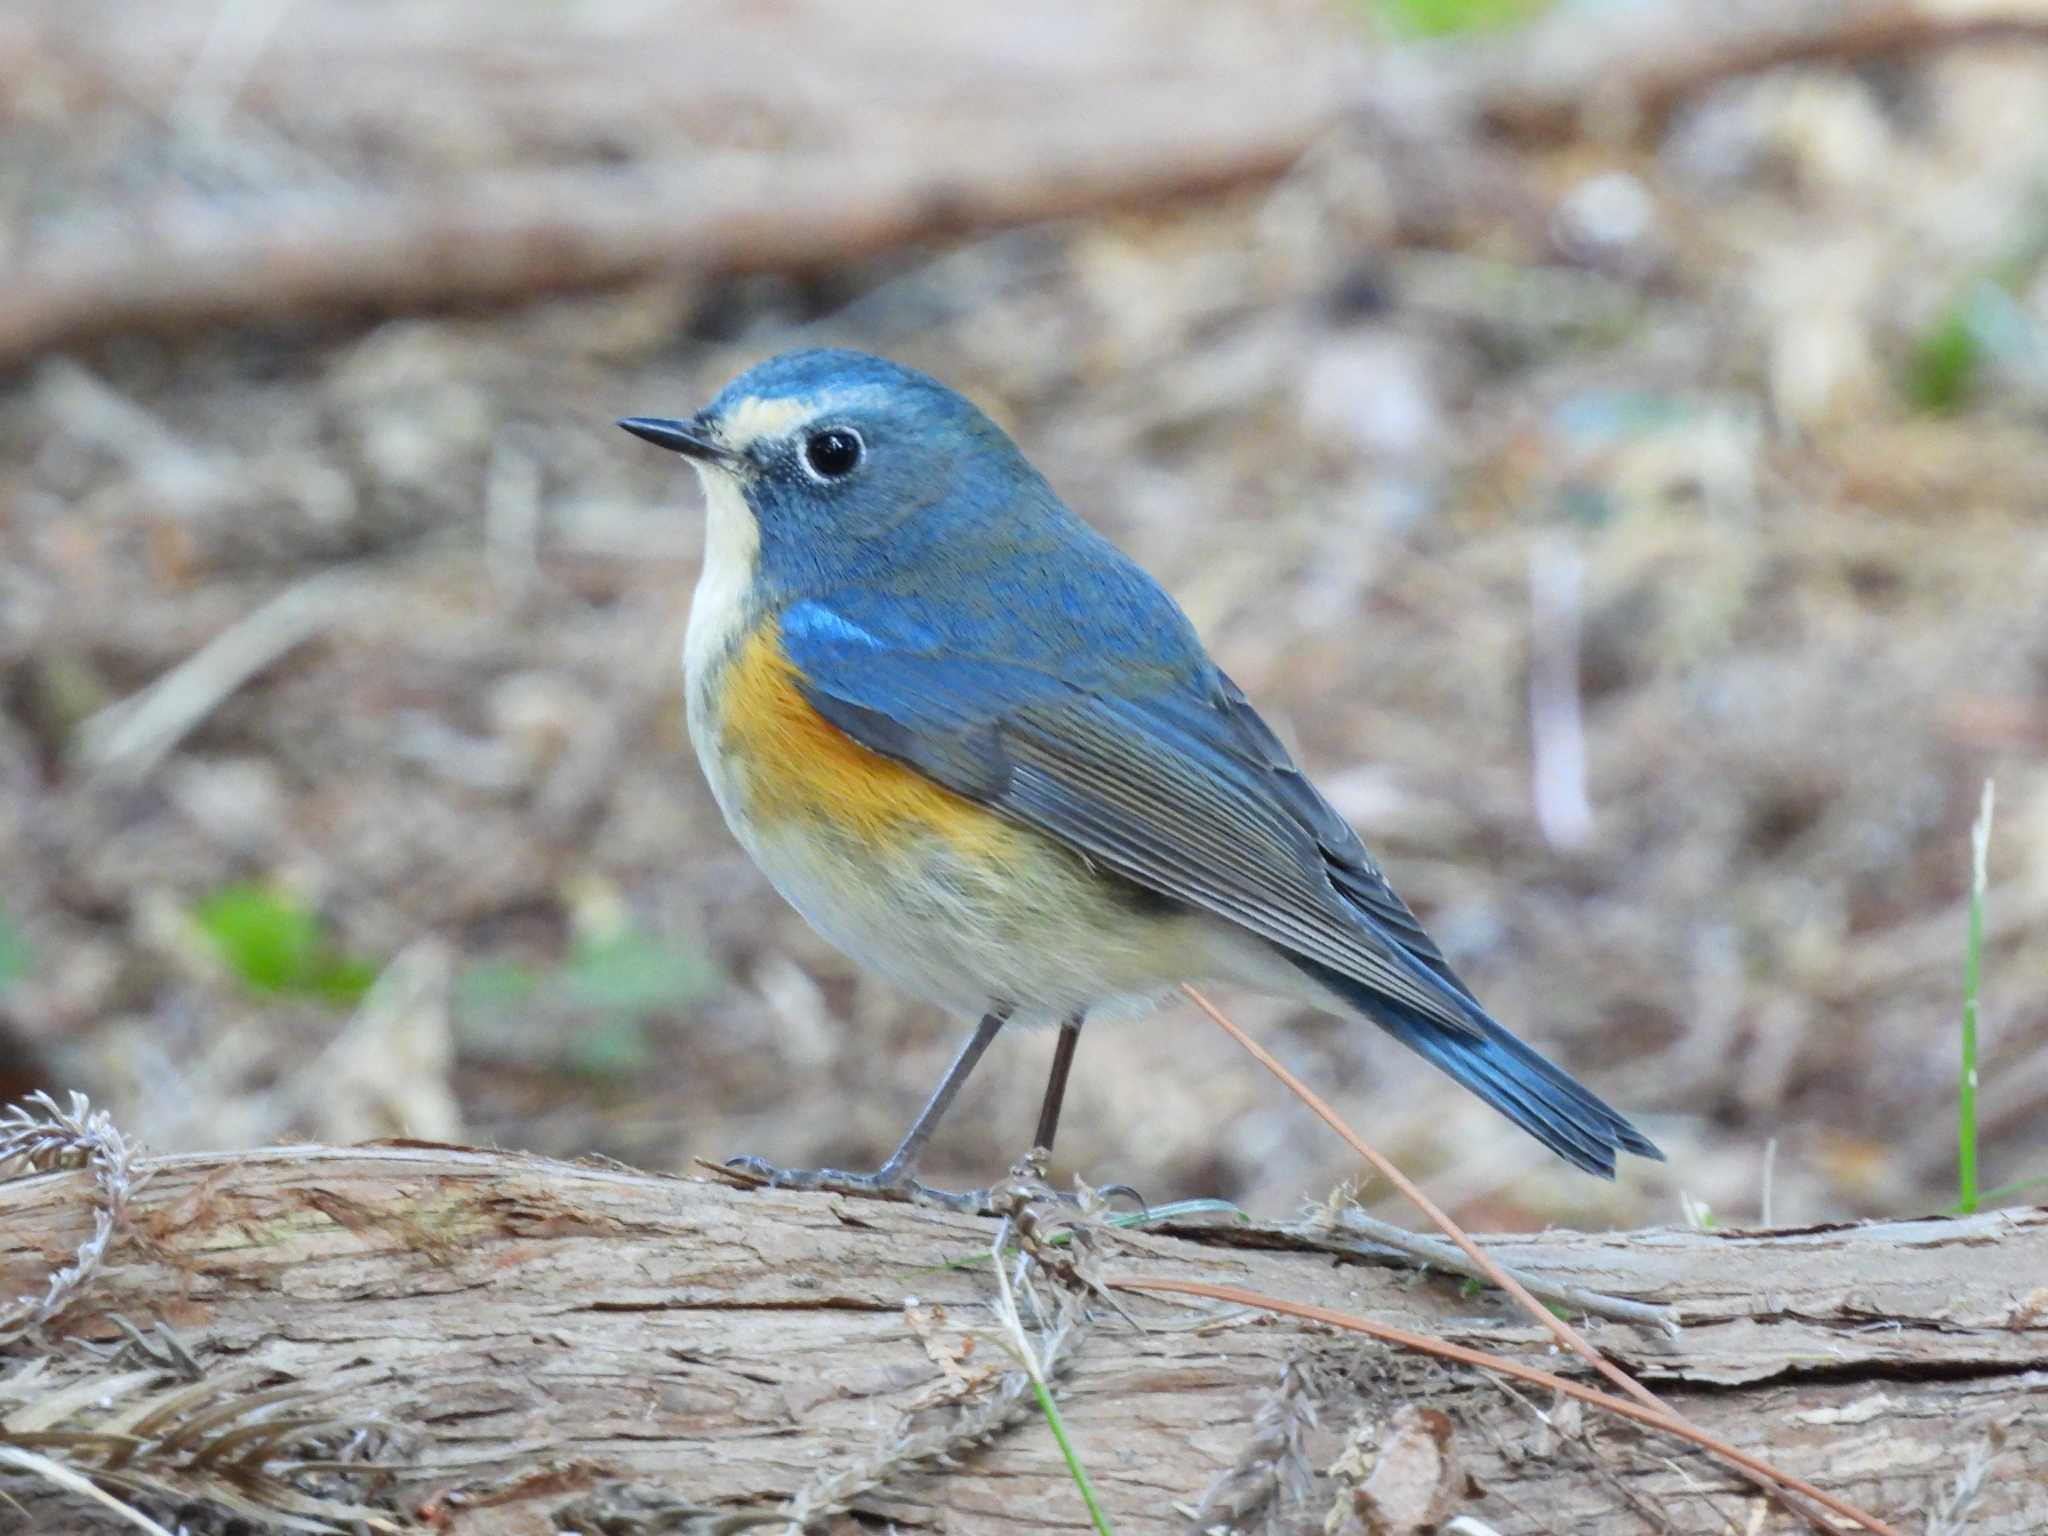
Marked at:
<point>796,374</point>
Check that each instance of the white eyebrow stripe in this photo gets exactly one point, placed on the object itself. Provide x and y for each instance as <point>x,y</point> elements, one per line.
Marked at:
<point>756,419</point>
<point>753,419</point>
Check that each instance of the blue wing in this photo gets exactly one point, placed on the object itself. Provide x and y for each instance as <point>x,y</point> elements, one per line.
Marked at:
<point>1105,726</point>
<point>1172,781</point>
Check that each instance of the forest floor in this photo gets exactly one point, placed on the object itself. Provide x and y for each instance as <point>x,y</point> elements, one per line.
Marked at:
<point>1639,529</point>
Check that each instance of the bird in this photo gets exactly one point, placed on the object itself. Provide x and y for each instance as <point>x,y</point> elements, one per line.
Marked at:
<point>987,756</point>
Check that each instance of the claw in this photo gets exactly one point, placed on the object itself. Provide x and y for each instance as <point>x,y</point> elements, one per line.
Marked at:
<point>752,1167</point>
<point>1109,1192</point>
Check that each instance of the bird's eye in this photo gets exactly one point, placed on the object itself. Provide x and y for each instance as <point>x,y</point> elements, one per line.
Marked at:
<point>833,453</point>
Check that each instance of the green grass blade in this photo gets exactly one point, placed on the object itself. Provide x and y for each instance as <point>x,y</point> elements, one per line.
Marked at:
<point>1012,1324</point>
<point>2003,1192</point>
<point>1075,1470</point>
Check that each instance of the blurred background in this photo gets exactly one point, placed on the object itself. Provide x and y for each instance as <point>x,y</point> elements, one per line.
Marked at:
<point>1607,439</point>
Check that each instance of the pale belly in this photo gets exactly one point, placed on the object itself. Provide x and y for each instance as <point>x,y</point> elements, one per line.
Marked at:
<point>1008,921</point>
<point>1032,931</point>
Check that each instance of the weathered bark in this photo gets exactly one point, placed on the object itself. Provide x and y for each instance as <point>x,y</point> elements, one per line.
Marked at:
<point>558,1335</point>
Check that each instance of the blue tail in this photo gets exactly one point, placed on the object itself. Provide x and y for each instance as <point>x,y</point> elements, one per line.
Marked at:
<point>1540,1097</point>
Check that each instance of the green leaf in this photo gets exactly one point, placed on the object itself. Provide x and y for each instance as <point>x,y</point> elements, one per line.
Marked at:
<point>1982,325</point>
<point>1945,363</point>
<point>263,936</point>
<point>272,943</point>
<point>1451,18</point>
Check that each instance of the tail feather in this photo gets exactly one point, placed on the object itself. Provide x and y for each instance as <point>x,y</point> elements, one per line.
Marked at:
<point>1539,1096</point>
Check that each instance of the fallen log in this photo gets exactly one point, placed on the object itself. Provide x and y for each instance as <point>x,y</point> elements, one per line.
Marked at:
<point>185,262</point>
<point>530,1345</point>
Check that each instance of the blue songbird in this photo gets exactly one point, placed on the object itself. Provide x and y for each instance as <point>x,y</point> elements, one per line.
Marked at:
<point>986,755</point>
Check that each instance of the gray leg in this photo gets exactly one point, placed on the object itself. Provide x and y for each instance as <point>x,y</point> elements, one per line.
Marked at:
<point>896,1176</point>
<point>1056,1083</point>
<point>904,1160</point>
<point>1055,1096</point>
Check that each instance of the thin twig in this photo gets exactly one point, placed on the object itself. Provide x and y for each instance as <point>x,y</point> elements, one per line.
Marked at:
<point>1973,976</point>
<point>128,739</point>
<point>1563,1331</point>
<point>1442,1349</point>
<point>1765,1205</point>
<point>1346,1229</point>
<point>1557,726</point>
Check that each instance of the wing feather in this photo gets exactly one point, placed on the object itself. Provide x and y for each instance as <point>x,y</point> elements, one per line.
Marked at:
<point>1178,818</point>
<point>1183,790</point>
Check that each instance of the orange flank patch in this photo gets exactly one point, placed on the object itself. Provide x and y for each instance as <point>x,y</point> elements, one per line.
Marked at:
<point>797,764</point>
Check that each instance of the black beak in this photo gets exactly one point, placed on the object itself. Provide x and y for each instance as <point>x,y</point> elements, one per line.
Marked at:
<point>681,437</point>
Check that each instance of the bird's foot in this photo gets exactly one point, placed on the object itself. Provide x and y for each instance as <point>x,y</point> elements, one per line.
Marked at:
<point>888,1182</point>
<point>894,1182</point>
<point>1028,1179</point>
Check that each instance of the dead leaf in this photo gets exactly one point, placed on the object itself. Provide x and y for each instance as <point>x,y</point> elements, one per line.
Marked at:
<point>1415,1481</point>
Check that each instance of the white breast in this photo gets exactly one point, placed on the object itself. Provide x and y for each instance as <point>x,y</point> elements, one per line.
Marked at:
<point>720,615</point>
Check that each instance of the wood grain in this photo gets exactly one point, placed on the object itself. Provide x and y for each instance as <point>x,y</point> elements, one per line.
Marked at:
<point>571,1336</point>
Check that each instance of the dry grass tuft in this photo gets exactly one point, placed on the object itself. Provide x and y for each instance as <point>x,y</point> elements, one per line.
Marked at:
<point>41,1136</point>
<point>263,1454</point>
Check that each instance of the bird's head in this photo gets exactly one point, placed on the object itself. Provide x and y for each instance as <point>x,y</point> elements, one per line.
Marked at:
<point>832,450</point>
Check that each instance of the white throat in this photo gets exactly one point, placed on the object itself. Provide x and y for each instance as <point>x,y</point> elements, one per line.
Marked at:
<point>722,609</point>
